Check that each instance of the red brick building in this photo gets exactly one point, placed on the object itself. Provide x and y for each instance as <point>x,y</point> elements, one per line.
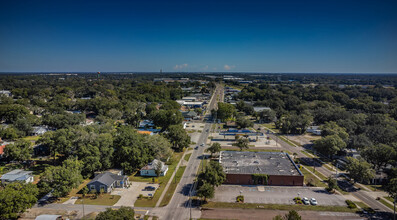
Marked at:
<point>262,168</point>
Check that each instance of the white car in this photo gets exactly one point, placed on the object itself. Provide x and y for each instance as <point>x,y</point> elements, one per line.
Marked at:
<point>313,201</point>
<point>305,201</point>
<point>202,144</point>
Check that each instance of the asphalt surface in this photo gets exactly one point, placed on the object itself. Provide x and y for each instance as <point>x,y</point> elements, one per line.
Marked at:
<point>179,206</point>
<point>359,194</point>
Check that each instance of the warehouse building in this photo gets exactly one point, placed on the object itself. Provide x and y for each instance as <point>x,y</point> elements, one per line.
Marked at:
<point>262,168</point>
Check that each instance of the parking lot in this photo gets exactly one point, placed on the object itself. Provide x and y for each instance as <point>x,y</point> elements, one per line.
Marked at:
<point>130,195</point>
<point>276,194</point>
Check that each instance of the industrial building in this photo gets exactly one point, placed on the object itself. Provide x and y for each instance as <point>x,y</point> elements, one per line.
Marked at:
<point>262,168</point>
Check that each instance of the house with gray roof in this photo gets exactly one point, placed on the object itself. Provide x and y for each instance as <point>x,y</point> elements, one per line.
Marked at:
<point>107,181</point>
<point>150,169</point>
<point>17,175</point>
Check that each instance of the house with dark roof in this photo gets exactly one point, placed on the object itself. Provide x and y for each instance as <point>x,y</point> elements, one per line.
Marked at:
<point>107,181</point>
<point>150,169</point>
<point>17,175</point>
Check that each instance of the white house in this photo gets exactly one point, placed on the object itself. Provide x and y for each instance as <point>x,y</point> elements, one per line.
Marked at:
<point>150,169</point>
<point>314,129</point>
<point>17,175</point>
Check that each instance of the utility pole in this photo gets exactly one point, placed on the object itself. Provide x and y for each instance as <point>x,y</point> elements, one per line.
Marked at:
<point>82,202</point>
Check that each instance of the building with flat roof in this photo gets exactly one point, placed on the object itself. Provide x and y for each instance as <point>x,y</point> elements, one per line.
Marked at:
<point>263,168</point>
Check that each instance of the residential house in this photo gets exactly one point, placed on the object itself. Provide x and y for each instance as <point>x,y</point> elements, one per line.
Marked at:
<point>39,130</point>
<point>5,93</point>
<point>107,181</point>
<point>49,217</point>
<point>150,169</point>
<point>314,130</point>
<point>259,109</point>
<point>17,175</point>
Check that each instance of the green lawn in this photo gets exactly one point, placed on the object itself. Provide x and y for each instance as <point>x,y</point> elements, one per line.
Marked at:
<point>384,202</point>
<point>390,199</point>
<point>310,178</point>
<point>173,185</point>
<point>271,126</point>
<point>151,202</point>
<point>374,187</point>
<point>277,207</point>
<point>104,199</point>
<point>31,138</point>
<point>187,156</point>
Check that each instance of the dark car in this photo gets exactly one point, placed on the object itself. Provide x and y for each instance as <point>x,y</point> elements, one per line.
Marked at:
<point>149,188</point>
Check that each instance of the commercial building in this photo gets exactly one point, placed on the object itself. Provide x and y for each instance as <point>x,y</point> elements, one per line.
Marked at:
<point>262,168</point>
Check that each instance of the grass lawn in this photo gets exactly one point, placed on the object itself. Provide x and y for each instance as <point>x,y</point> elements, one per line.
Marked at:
<point>187,156</point>
<point>307,154</point>
<point>390,199</point>
<point>31,138</point>
<point>163,180</point>
<point>271,126</point>
<point>74,192</point>
<point>374,187</point>
<point>277,207</point>
<point>309,178</point>
<point>287,141</point>
<point>104,199</point>
<point>172,187</point>
<point>384,202</point>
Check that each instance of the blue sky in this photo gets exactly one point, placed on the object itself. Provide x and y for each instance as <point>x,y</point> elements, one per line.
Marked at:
<point>222,36</point>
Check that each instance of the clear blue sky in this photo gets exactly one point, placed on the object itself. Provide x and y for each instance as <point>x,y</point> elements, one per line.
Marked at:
<point>198,35</point>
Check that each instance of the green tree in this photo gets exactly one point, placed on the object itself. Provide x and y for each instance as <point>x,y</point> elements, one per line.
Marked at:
<point>225,111</point>
<point>214,148</point>
<point>178,137</point>
<point>359,170</point>
<point>15,198</point>
<point>10,113</point>
<point>331,128</point>
<point>379,155</point>
<point>130,152</point>
<point>19,151</point>
<point>84,191</point>
<point>123,213</point>
<point>62,178</point>
<point>241,143</point>
<point>244,123</point>
<point>213,174</point>
<point>391,188</point>
<point>9,133</point>
<point>206,191</point>
<point>332,184</point>
<point>166,118</point>
<point>158,168</point>
<point>292,215</point>
<point>329,145</point>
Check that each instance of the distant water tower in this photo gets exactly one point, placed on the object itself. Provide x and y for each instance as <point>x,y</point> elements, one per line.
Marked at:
<point>98,74</point>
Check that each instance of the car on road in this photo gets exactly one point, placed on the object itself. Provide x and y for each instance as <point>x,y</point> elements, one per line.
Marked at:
<point>196,148</point>
<point>202,144</point>
<point>313,201</point>
<point>149,188</point>
<point>305,201</point>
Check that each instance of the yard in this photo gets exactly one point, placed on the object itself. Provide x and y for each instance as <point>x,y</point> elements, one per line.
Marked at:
<point>172,187</point>
<point>104,199</point>
<point>163,180</point>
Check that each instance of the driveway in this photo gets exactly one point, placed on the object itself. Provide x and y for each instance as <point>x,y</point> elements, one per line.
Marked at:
<point>276,194</point>
<point>130,195</point>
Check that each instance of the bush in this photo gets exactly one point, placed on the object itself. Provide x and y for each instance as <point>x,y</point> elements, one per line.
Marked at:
<point>140,196</point>
<point>240,198</point>
<point>351,204</point>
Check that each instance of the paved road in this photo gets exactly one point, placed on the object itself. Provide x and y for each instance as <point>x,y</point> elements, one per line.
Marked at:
<point>361,195</point>
<point>179,208</point>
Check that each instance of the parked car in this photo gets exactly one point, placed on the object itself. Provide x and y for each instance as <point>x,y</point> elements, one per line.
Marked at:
<point>202,144</point>
<point>313,201</point>
<point>149,188</point>
<point>305,201</point>
<point>196,148</point>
